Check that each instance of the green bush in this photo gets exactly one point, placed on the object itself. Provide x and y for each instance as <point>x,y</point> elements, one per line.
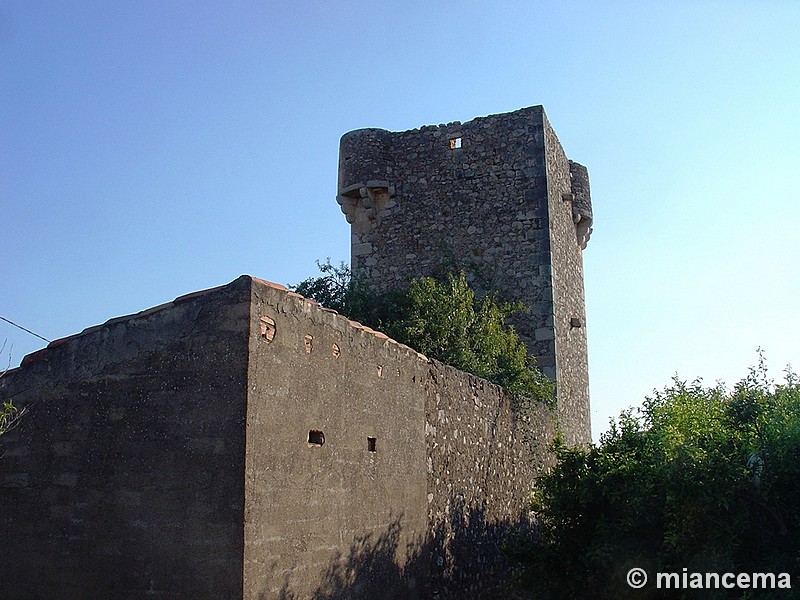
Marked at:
<point>700,478</point>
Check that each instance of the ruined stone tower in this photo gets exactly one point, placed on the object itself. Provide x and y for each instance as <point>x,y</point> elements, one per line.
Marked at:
<point>497,198</point>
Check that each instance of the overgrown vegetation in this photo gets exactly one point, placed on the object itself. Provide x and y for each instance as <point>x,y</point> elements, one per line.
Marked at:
<point>9,413</point>
<point>9,416</point>
<point>442,318</point>
<point>700,478</point>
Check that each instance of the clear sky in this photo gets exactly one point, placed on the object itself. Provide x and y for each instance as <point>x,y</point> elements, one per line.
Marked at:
<point>149,149</point>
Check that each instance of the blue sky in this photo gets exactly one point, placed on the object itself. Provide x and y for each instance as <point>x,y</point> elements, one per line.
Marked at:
<point>150,149</point>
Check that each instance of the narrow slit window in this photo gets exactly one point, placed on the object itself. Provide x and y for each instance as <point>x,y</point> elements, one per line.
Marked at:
<point>372,444</point>
<point>316,438</point>
<point>455,143</point>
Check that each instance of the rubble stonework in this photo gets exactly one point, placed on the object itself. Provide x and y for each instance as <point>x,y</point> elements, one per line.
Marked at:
<point>495,197</point>
<point>244,442</point>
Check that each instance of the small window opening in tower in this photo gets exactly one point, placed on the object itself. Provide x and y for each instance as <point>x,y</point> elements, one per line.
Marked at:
<point>455,143</point>
<point>315,438</point>
<point>372,444</point>
<point>308,343</point>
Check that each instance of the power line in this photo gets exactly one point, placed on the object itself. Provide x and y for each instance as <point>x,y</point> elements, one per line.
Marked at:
<point>25,329</point>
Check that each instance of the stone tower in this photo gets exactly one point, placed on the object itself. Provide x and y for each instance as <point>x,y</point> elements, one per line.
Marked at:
<point>497,198</point>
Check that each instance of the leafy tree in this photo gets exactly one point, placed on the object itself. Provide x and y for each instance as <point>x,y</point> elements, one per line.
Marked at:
<point>334,289</point>
<point>700,478</point>
<point>447,321</point>
<point>352,297</point>
<point>442,318</point>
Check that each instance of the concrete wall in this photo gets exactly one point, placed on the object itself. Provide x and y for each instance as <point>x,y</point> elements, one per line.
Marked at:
<point>124,479</point>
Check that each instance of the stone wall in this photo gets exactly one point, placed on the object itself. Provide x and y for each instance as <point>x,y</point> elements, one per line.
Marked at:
<point>423,470</point>
<point>244,442</point>
<point>354,507</point>
<point>569,308</point>
<point>418,203</point>
<point>493,197</point>
<point>123,480</point>
<point>483,458</point>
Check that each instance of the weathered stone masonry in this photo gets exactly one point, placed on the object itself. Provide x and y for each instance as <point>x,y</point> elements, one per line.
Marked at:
<point>244,442</point>
<point>125,476</point>
<point>496,197</point>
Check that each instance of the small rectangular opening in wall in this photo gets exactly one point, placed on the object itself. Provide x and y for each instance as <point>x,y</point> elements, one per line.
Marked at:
<point>316,437</point>
<point>455,143</point>
<point>268,329</point>
<point>372,444</point>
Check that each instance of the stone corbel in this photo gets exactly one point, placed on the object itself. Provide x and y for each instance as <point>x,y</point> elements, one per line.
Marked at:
<point>364,204</point>
<point>583,228</point>
<point>581,203</point>
<point>582,220</point>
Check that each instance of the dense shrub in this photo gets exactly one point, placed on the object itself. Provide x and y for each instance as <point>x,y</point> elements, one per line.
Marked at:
<point>700,478</point>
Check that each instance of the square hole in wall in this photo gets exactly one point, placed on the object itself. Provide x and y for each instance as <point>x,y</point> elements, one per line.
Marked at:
<point>372,444</point>
<point>455,143</point>
<point>315,437</point>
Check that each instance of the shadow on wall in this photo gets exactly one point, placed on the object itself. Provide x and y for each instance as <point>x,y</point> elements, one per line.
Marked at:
<point>463,558</point>
<point>369,569</point>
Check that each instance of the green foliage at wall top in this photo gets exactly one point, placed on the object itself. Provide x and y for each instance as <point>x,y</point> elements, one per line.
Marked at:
<point>442,318</point>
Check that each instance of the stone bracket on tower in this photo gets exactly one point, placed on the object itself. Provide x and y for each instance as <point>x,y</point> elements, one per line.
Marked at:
<point>365,204</point>
<point>581,203</point>
<point>583,229</point>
